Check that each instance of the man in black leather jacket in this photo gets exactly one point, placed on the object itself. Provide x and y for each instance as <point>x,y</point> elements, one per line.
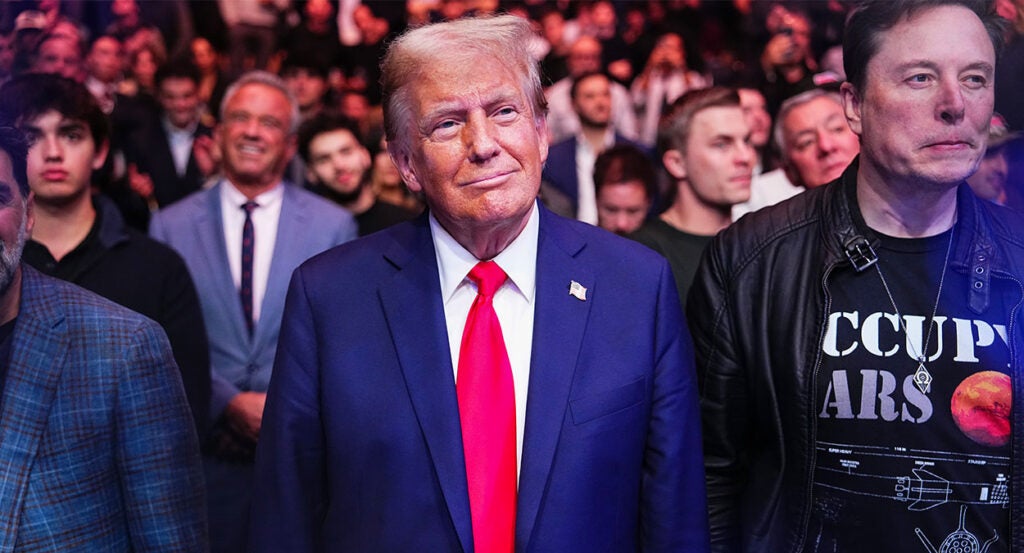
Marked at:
<point>808,314</point>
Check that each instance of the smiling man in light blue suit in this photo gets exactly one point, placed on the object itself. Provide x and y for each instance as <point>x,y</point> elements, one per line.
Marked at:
<point>241,241</point>
<point>379,436</point>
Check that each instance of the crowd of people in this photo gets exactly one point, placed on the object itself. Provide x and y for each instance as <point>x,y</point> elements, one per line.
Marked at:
<point>381,311</point>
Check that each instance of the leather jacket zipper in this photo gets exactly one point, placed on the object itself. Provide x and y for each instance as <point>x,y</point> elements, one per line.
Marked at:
<point>813,430</point>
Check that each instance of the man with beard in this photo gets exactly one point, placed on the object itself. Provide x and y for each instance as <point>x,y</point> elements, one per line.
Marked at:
<point>97,447</point>
<point>338,168</point>
<point>569,172</point>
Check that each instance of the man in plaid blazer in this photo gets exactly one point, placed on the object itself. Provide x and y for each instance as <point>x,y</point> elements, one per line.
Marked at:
<point>97,447</point>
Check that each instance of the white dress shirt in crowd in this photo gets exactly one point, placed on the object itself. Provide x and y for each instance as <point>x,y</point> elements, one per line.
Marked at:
<point>180,141</point>
<point>264,226</point>
<point>586,206</point>
<point>766,189</point>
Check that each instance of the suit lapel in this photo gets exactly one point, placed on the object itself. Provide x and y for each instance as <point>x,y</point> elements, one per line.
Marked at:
<point>192,175</point>
<point>288,254</point>
<point>209,236</point>
<point>415,315</point>
<point>38,351</point>
<point>560,320</point>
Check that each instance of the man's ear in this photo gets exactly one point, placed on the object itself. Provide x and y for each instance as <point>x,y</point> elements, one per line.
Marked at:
<point>674,164</point>
<point>30,218</point>
<point>545,143</point>
<point>403,162</point>
<point>851,106</point>
<point>99,157</point>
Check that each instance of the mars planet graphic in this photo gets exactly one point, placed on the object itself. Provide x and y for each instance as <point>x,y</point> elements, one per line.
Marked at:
<point>981,407</point>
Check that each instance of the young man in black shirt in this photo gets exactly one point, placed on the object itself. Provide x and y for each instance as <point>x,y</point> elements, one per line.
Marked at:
<point>338,168</point>
<point>82,238</point>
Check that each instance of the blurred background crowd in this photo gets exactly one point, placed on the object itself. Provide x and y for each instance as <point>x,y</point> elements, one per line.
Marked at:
<point>328,51</point>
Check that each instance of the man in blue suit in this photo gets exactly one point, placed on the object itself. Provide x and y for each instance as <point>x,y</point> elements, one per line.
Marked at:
<point>241,241</point>
<point>97,447</point>
<point>489,377</point>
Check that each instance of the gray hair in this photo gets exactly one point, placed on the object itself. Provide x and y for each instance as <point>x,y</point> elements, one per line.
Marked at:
<point>503,37</point>
<point>778,135</point>
<point>268,79</point>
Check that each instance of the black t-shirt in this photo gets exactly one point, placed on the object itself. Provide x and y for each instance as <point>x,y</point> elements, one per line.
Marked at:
<point>898,466</point>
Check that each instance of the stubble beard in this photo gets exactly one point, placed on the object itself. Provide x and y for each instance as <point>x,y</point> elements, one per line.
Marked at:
<point>10,257</point>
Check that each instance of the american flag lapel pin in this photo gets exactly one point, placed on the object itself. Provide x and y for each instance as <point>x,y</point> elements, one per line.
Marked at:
<point>577,291</point>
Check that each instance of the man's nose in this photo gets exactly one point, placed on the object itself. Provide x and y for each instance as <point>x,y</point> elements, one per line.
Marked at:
<point>51,147</point>
<point>479,137</point>
<point>950,103</point>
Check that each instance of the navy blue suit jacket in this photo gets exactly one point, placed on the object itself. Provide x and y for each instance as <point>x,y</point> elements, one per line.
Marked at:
<point>361,448</point>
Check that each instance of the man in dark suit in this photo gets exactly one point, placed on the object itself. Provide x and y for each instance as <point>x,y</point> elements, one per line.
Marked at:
<point>241,240</point>
<point>570,168</point>
<point>162,168</point>
<point>489,377</point>
<point>97,447</point>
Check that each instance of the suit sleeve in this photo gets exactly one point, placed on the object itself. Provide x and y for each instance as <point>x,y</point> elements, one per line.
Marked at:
<point>156,229</point>
<point>723,397</point>
<point>290,496</point>
<point>674,513</point>
<point>219,390</point>
<point>349,230</point>
<point>157,451</point>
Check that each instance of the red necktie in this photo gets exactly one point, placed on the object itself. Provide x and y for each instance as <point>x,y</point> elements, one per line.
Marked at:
<point>487,411</point>
<point>245,290</point>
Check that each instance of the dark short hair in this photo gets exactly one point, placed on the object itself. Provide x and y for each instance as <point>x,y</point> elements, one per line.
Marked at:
<point>871,18</point>
<point>181,68</point>
<point>92,43</point>
<point>674,125</point>
<point>32,95</point>
<point>304,61</point>
<point>578,80</point>
<point>13,143</point>
<point>316,126</point>
<point>622,163</point>
<point>48,36</point>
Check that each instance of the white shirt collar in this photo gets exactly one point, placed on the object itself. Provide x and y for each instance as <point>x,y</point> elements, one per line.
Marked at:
<point>172,130</point>
<point>518,259</point>
<point>230,195</point>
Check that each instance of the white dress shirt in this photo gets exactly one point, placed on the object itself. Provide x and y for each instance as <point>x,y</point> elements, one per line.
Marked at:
<point>180,141</point>
<point>264,226</point>
<point>766,189</point>
<point>586,195</point>
<point>513,303</point>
